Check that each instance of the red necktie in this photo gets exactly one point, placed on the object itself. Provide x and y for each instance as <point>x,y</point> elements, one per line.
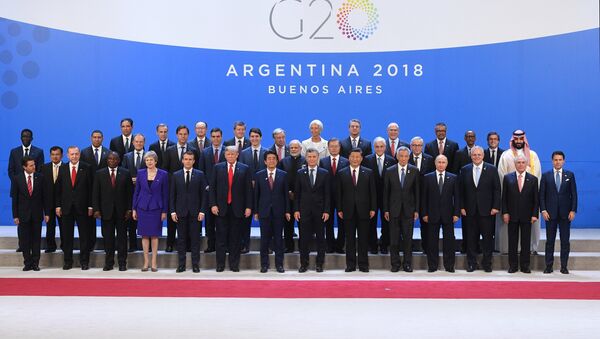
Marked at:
<point>393,148</point>
<point>73,175</point>
<point>230,183</point>
<point>29,185</point>
<point>333,166</point>
<point>271,181</point>
<point>113,179</point>
<point>354,176</point>
<point>216,155</point>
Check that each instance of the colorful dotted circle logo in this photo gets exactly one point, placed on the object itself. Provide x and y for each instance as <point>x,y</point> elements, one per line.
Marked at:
<point>344,14</point>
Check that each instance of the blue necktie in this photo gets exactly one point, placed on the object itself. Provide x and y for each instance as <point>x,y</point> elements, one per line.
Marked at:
<point>312,177</point>
<point>557,180</point>
<point>402,176</point>
<point>477,175</point>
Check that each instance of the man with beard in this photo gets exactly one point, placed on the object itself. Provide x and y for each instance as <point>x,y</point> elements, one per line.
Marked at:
<point>518,146</point>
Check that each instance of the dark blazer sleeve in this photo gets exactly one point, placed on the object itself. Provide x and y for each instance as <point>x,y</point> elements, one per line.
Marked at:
<point>373,191</point>
<point>96,193</point>
<point>497,194</point>
<point>212,188</point>
<point>543,193</point>
<point>457,198</point>
<point>573,194</point>
<point>386,192</point>
<point>424,194</point>
<point>204,195</point>
<point>297,193</point>
<point>536,198</point>
<point>257,192</point>
<point>327,193</point>
<point>505,183</point>
<point>14,194</point>
<point>248,189</point>
<point>172,194</point>
<point>136,194</point>
<point>165,191</point>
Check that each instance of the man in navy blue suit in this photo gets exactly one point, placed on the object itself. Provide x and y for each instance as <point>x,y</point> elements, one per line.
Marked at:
<point>558,202</point>
<point>291,164</point>
<point>161,145</point>
<point>271,209</point>
<point>188,203</point>
<point>123,143</point>
<point>354,140</point>
<point>133,161</point>
<point>480,200</point>
<point>212,155</point>
<point>425,164</point>
<point>95,155</point>
<point>440,205</point>
<point>442,145</point>
<point>333,163</point>
<point>356,204</point>
<point>230,198</point>
<point>311,208</point>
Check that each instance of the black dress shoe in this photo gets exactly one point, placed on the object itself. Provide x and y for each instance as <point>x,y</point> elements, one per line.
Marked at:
<point>196,269</point>
<point>395,269</point>
<point>264,270</point>
<point>85,267</point>
<point>319,268</point>
<point>526,270</point>
<point>373,252</point>
<point>131,250</point>
<point>548,270</point>
<point>169,249</point>
<point>487,269</point>
<point>35,267</point>
<point>431,270</point>
<point>470,268</point>
<point>220,268</point>
<point>280,269</point>
<point>383,251</point>
<point>329,251</point>
<point>340,251</point>
<point>50,250</point>
<point>364,269</point>
<point>289,250</point>
<point>244,250</point>
<point>512,270</point>
<point>408,269</point>
<point>19,249</point>
<point>450,270</point>
<point>350,269</point>
<point>122,268</point>
<point>235,269</point>
<point>180,269</point>
<point>564,270</point>
<point>209,250</point>
<point>302,269</point>
<point>67,266</point>
<point>105,268</point>
<point>27,268</point>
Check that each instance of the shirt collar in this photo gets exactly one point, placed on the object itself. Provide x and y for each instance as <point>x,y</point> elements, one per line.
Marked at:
<point>26,174</point>
<point>442,173</point>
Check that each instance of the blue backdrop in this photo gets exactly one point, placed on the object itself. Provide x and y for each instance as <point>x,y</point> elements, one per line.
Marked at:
<point>63,85</point>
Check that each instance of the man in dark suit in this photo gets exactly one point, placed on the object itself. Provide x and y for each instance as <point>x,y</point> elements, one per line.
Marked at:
<point>50,173</point>
<point>291,165</point>
<point>279,145</point>
<point>462,157</point>
<point>355,141</point>
<point>28,206</point>
<point>333,163</point>
<point>173,164</point>
<point>379,162</point>
<point>74,204</point>
<point>356,204</point>
<point>230,198</point>
<point>133,161</point>
<point>440,205</point>
<point>311,208</point>
<point>212,155</point>
<point>271,209</point>
<point>161,145</point>
<point>111,200</point>
<point>424,163</point>
<point>201,141</point>
<point>520,208</point>
<point>123,143</point>
<point>188,203</point>
<point>252,157</point>
<point>401,192</point>
<point>480,201</point>
<point>393,142</point>
<point>238,140</point>
<point>17,154</point>
<point>492,154</point>
<point>558,202</point>
<point>442,145</point>
<point>96,154</point>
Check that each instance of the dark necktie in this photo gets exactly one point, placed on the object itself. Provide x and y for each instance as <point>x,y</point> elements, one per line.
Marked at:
<point>138,160</point>
<point>239,145</point>
<point>26,152</point>
<point>354,177</point>
<point>187,178</point>
<point>271,180</point>
<point>162,147</point>
<point>312,177</point>
<point>441,183</point>
<point>255,159</point>
<point>96,156</point>
<point>494,157</point>
<point>216,155</point>
<point>113,179</point>
<point>200,144</point>
<point>402,176</point>
<point>181,154</point>
<point>126,144</point>
<point>333,165</point>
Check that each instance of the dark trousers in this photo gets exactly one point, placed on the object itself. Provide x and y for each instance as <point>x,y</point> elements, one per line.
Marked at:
<point>188,230</point>
<point>131,233</point>
<point>271,229</point>
<point>210,228</point>
<point>229,229</point>
<point>514,228</point>
<point>109,228</point>
<point>384,241</point>
<point>424,229</point>
<point>465,234</point>
<point>310,226</point>
<point>433,244</point>
<point>564,226</point>
<point>92,234</point>
<point>30,238</point>
<point>247,226</point>
<point>83,226</point>
<point>51,230</point>
<point>477,226</point>
<point>353,225</point>
<point>288,234</point>
<point>171,232</point>
<point>372,236</point>
<point>334,243</point>
<point>401,227</point>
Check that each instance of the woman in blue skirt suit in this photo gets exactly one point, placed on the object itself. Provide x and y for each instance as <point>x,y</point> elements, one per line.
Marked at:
<point>150,204</point>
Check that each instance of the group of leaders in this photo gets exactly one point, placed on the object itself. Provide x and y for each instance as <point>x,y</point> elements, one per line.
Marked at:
<point>499,195</point>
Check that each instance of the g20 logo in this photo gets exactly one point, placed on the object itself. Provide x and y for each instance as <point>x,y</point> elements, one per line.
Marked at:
<point>355,19</point>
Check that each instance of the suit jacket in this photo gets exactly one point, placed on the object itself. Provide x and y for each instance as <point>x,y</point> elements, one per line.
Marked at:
<point>107,199</point>
<point>79,196</point>
<point>197,146</point>
<point>427,163</point>
<point>401,201</point>
<point>241,189</point>
<point>87,156</point>
<point>362,197</point>
<point>16,155</point>
<point>155,146</point>
<point>172,163</point>
<point>117,145</point>
<point>483,198</point>
<point>450,148</point>
<point>247,158</point>
<point>558,203</point>
<point>312,200</point>
<point>25,207</point>
<point>231,142</point>
<point>440,207</point>
<point>267,200</point>
<point>128,163</point>
<point>286,150</point>
<point>363,144</point>
<point>208,157</point>
<point>50,185</point>
<point>487,156</point>
<point>188,199</point>
<point>388,146</point>
<point>151,197</point>
<point>521,206</point>
<point>325,163</point>
<point>371,162</point>
<point>291,165</point>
